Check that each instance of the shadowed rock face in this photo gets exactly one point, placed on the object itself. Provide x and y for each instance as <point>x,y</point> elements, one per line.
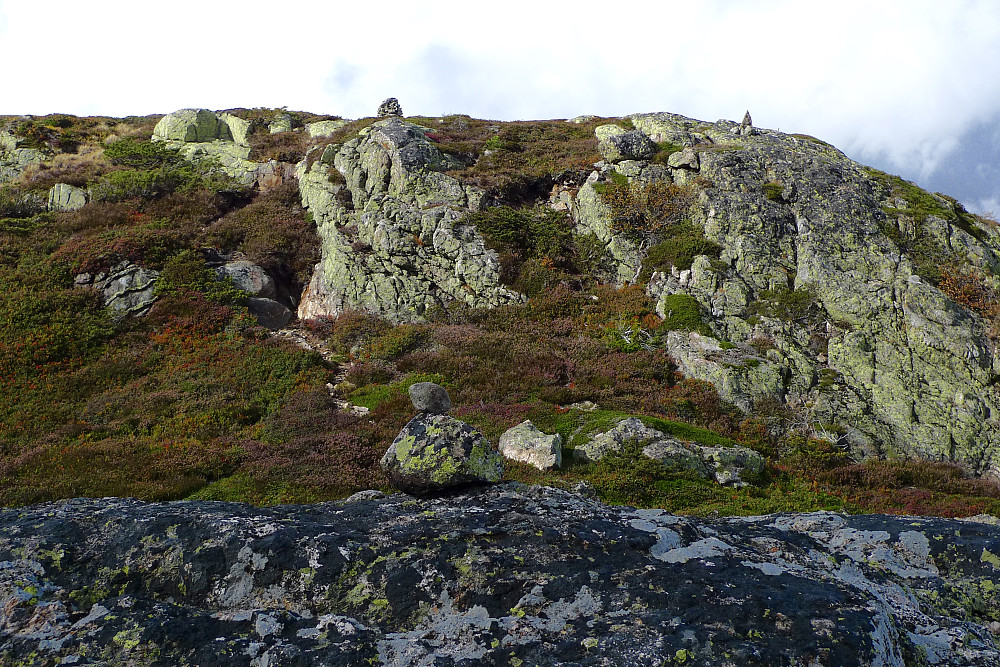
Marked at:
<point>509,572</point>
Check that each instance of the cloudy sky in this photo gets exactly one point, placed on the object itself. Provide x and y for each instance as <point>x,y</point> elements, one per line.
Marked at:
<point>910,86</point>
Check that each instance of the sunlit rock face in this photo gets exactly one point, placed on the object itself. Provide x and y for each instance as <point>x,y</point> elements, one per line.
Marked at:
<point>390,223</point>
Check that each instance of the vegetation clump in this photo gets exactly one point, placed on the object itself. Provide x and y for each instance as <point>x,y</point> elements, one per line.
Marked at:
<point>677,248</point>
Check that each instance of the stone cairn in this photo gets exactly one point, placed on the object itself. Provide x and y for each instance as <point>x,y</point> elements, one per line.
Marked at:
<point>390,107</point>
<point>435,452</point>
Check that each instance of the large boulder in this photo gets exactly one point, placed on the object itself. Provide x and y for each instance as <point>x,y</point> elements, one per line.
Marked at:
<point>527,444</point>
<point>201,125</point>
<point>66,197</point>
<point>192,125</point>
<point>436,452</point>
<point>616,144</point>
<point>627,431</point>
<point>269,313</point>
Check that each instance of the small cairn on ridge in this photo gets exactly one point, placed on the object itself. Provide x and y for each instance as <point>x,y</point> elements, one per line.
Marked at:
<point>435,452</point>
<point>390,107</point>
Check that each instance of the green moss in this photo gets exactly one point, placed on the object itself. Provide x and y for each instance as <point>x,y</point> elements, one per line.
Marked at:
<point>682,312</point>
<point>372,396</point>
<point>773,191</point>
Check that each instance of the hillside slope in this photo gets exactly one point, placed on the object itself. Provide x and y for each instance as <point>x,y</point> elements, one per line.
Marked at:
<point>726,283</point>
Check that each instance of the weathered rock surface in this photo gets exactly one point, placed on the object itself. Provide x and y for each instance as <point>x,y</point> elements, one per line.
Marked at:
<point>390,107</point>
<point>388,220</point>
<point>435,452</point>
<point>249,277</point>
<point>503,575</point>
<point>65,197</point>
<point>126,288</point>
<point>269,313</point>
<point>324,128</point>
<point>617,144</point>
<point>201,135</point>
<point>14,160</point>
<point>527,444</point>
<point>429,397</point>
<point>614,440</point>
<point>883,356</point>
<point>735,466</point>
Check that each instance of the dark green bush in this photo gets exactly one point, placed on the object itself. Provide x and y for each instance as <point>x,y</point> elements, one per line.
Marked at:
<point>679,246</point>
<point>785,304</point>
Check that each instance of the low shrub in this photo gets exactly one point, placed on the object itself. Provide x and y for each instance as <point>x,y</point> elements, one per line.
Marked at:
<point>645,211</point>
<point>678,247</point>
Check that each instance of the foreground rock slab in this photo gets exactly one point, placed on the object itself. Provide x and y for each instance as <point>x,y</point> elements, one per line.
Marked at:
<point>497,576</point>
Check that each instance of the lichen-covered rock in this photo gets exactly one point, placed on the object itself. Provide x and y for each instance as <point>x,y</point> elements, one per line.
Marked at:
<point>733,466</point>
<point>507,574</point>
<point>201,135</point>
<point>282,123</point>
<point>676,454</point>
<point>815,275</point>
<point>324,128</point>
<point>126,288</point>
<point>13,160</point>
<point>630,430</point>
<point>388,218</point>
<point>429,397</point>
<point>625,145</point>
<point>740,376</point>
<point>436,452</point>
<point>193,125</point>
<point>66,197</point>
<point>527,444</point>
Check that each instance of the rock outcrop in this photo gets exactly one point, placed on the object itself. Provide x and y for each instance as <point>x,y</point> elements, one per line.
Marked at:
<point>126,288</point>
<point>875,351</point>
<point>390,224</point>
<point>65,197</point>
<point>200,135</point>
<point>14,160</point>
<point>735,466</point>
<point>502,575</point>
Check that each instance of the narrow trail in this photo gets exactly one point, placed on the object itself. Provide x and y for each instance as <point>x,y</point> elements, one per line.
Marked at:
<point>307,340</point>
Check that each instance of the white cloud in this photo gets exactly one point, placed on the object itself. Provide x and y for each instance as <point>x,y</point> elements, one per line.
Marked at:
<point>893,81</point>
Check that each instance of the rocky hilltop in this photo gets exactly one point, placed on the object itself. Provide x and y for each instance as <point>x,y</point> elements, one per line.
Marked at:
<point>512,575</point>
<point>821,273</point>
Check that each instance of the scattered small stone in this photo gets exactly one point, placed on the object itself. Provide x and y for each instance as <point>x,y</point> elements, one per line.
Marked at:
<point>527,444</point>
<point>429,397</point>
<point>390,107</point>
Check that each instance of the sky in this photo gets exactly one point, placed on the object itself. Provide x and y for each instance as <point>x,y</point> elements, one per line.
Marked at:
<point>909,86</point>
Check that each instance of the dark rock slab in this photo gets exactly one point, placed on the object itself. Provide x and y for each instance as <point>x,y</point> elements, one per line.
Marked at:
<point>502,575</point>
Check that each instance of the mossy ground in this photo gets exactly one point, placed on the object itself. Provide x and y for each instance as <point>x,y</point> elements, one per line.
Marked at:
<point>196,401</point>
